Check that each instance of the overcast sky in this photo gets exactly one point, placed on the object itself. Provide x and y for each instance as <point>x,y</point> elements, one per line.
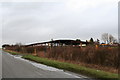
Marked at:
<point>29,22</point>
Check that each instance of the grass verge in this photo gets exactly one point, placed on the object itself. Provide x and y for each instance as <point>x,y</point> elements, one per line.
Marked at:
<point>12,52</point>
<point>74,68</point>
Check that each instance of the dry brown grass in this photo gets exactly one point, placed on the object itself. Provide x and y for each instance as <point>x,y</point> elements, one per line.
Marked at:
<point>103,58</point>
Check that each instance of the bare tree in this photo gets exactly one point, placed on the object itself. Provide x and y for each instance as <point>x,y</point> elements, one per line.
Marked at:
<point>18,44</point>
<point>108,38</point>
<point>115,41</point>
<point>105,37</point>
<point>111,38</point>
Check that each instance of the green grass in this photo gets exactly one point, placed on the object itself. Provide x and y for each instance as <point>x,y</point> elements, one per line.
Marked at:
<point>12,52</point>
<point>74,68</point>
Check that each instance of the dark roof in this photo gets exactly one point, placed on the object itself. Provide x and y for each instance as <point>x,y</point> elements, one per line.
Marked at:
<point>5,45</point>
<point>66,42</point>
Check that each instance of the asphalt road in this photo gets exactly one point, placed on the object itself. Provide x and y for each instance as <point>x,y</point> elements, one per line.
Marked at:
<point>16,68</point>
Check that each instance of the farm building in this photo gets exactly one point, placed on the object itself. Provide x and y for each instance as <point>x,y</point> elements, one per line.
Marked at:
<point>60,43</point>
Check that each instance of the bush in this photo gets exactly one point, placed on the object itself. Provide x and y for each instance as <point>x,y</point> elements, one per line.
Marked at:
<point>102,56</point>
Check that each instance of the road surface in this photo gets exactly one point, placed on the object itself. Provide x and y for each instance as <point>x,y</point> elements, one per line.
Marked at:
<point>16,68</point>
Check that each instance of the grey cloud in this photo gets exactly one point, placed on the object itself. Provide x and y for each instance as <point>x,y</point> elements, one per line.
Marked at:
<point>35,22</point>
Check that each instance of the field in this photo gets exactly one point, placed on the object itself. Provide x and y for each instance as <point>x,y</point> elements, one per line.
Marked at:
<point>93,73</point>
<point>101,58</point>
